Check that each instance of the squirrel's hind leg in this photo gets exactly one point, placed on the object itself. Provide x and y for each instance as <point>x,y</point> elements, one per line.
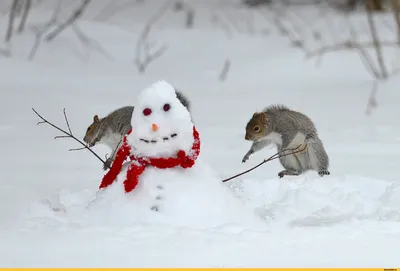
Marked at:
<point>321,173</point>
<point>291,165</point>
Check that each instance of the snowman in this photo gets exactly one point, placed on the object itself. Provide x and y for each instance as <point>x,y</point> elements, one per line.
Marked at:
<point>163,180</point>
<point>162,136</point>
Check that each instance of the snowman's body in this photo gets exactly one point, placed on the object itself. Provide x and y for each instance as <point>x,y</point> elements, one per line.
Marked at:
<point>191,197</point>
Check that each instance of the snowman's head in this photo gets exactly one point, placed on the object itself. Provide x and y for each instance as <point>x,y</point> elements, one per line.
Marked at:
<point>161,125</point>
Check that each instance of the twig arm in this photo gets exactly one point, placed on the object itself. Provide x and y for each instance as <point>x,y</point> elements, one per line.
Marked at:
<point>69,135</point>
<point>273,157</point>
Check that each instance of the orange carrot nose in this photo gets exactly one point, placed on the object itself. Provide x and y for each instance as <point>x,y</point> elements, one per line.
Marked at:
<point>154,127</point>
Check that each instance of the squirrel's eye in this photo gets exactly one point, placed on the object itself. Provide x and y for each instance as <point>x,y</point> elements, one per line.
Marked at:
<point>147,111</point>
<point>256,128</point>
<point>166,107</point>
<point>88,129</point>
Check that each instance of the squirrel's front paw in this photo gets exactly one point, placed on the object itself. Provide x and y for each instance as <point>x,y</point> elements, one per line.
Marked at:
<point>107,164</point>
<point>247,156</point>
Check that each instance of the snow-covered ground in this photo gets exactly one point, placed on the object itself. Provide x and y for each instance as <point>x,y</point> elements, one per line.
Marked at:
<point>350,218</point>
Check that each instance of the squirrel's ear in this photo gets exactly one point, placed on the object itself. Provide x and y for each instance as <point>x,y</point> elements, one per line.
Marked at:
<point>255,113</point>
<point>96,118</point>
<point>263,117</point>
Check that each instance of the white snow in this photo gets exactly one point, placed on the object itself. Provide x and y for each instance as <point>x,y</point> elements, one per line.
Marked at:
<point>191,198</point>
<point>348,219</point>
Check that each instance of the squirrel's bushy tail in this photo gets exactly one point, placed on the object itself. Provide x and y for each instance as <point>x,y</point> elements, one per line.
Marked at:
<point>319,159</point>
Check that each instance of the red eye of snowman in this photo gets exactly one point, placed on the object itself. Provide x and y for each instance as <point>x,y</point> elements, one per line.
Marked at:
<point>166,107</point>
<point>147,111</point>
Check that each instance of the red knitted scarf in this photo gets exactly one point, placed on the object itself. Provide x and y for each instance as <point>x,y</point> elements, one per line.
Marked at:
<point>139,164</point>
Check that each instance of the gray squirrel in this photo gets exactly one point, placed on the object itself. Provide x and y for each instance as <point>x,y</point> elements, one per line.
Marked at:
<point>286,128</point>
<point>111,129</point>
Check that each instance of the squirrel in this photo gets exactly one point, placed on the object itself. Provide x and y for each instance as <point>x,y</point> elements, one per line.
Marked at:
<point>111,129</point>
<point>286,128</point>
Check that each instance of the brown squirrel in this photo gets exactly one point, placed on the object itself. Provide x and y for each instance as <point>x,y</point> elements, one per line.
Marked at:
<point>286,128</point>
<point>111,129</point>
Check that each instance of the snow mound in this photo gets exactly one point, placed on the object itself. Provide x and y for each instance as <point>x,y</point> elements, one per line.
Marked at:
<point>303,201</point>
<point>195,199</point>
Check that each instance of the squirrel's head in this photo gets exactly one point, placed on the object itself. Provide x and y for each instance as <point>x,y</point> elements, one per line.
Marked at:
<point>255,128</point>
<point>91,132</point>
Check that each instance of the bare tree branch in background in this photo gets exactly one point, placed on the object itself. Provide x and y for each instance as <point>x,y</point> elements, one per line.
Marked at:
<point>235,21</point>
<point>377,69</point>
<point>347,45</point>
<point>363,53</point>
<point>113,8</point>
<point>26,8</point>
<point>396,14</point>
<point>377,45</point>
<point>75,15</point>
<point>279,20</point>
<point>11,19</point>
<point>378,72</point>
<point>190,14</point>
<point>372,102</point>
<point>58,27</point>
<point>181,6</point>
<point>41,30</point>
<point>89,42</point>
<point>216,21</point>
<point>370,51</point>
<point>374,5</point>
<point>225,70</point>
<point>5,52</point>
<point>145,53</point>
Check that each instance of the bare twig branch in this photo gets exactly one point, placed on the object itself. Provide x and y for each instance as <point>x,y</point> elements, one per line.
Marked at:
<point>233,22</point>
<point>67,134</point>
<point>11,19</point>
<point>372,102</point>
<point>216,20</point>
<point>396,14</point>
<point>363,53</point>
<point>77,149</point>
<point>41,30</point>
<point>347,45</point>
<point>378,49</point>
<point>6,51</point>
<point>190,14</point>
<point>113,8</point>
<point>27,8</point>
<point>143,44</point>
<point>279,21</point>
<point>277,155</point>
<point>57,137</point>
<point>149,57</point>
<point>67,122</point>
<point>89,42</point>
<point>75,15</point>
<point>225,70</point>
